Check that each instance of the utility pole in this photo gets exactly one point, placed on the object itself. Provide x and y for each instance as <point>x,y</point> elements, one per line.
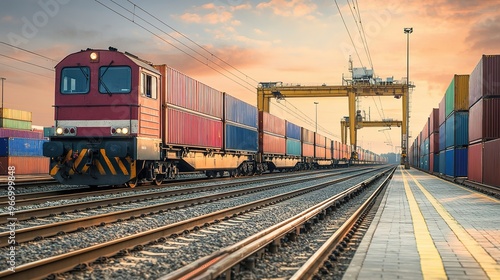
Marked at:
<point>316,103</point>
<point>408,31</point>
<point>3,79</point>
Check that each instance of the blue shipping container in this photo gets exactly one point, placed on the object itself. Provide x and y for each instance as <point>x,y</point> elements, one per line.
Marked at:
<point>457,129</point>
<point>21,147</point>
<point>238,138</point>
<point>240,112</point>
<point>442,136</point>
<point>292,131</point>
<point>456,162</point>
<point>293,147</point>
<point>436,163</point>
<point>442,162</point>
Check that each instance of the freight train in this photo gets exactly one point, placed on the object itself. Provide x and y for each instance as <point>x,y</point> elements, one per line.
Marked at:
<point>122,120</point>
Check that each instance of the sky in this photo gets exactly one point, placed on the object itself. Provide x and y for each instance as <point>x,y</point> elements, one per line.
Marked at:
<point>232,45</point>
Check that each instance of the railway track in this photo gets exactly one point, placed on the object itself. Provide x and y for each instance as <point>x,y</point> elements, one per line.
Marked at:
<point>69,260</point>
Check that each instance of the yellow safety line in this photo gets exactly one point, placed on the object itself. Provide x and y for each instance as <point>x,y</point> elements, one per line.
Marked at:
<point>78,160</point>
<point>122,167</point>
<point>108,162</point>
<point>487,263</point>
<point>430,260</point>
<point>100,168</point>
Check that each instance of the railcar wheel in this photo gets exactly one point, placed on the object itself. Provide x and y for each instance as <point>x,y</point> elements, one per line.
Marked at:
<point>158,180</point>
<point>132,183</point>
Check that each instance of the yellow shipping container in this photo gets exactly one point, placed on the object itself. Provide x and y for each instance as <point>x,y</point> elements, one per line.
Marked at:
<point>14,114</point>
<point>461,92</point>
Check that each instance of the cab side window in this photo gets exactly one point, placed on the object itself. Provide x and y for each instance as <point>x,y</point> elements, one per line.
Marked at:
<point>149,85</point>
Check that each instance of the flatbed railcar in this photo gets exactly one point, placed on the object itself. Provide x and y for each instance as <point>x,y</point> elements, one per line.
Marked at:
<point>123,120</point>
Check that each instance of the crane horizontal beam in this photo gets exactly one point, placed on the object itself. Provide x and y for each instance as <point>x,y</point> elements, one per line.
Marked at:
<point>376,124</point>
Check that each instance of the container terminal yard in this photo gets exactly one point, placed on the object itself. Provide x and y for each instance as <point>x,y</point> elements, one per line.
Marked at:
<point>148,170</point>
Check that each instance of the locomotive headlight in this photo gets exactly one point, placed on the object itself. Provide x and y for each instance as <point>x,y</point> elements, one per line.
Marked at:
<point>59,131</point>
<point>125,130</point>
<point>119,130</point>
<point>94,57</point>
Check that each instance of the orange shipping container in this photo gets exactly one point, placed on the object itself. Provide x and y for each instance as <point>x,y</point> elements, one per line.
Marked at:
<point>24,165</point>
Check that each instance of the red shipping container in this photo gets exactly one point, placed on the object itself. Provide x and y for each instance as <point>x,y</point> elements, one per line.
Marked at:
<point>484,119</point>
<point>307,136</point>
<point>187,129</point>
<point>9,132</point>
<point>272,124</point>
<point>25,165</point>
<point>442,110</point>
<point>485,78</point>
<point>320,140</point>
<point>434,143</point>
<point>272,144</point>
<point>307,150</point>
<point>189,93</point>
<point>320,152</point>
<point>328,143</point>
<point>475,162</point>
<point>491,160</point>
<point>434,121</point>
<point>329,153</point>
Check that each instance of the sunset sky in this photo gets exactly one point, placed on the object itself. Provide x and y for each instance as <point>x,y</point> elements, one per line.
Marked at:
<point>297,42</point>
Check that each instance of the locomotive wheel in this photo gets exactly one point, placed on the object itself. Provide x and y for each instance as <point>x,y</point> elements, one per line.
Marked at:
<point>132,183</point>
<point>158,180</point>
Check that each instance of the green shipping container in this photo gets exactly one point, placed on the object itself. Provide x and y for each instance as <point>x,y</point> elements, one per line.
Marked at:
<point>457,94</point>
<point>14,114</point>
<point>17,124</point>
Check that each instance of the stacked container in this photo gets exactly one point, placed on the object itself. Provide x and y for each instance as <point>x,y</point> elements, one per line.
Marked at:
<point>424,147</point>
<point>240,126</point>
<point>434,141</point>
<point>20,146</point>
<point>484,121</point>
<point>456,126</point>
<point>293,138</point>
<point>272,132</point>
<point>307,142</point>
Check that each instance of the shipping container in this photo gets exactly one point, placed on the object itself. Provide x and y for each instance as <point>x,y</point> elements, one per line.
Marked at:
<point>434,142</point>
<point>293,147</point>
<point>442,162</point>
<point>434,163</point>
<point>21,147</point>
<point>442,111</point>
<point>8,132</point>
<point>485,78</point>
<point>484,120</point>
<point>434,121</point>
<point>240,112</point>
<point>491,160</point>
<point>307,136</point>
<point>25,165</point>
<point>457,94</point>
<point>272,124</point>
<point>292,131</point>
<point>320,140</point>
<point>319,152</point>
<point>457,129</point>
<point>272,144</point>
<point>15,124</point>
<point>191,130</point>
<point>442,136</point>
<point>456,162</point>
<point>424,147</point>
<point>186,92</point>
<point>307,150</point>
<point>14,114</point>
<point>239,138</point>
<point>475,163</point>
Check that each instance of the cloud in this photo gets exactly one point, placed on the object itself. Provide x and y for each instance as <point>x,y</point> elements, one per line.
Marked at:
<point>213,14</point>
<point>484,35</point>
<point>290,8</point>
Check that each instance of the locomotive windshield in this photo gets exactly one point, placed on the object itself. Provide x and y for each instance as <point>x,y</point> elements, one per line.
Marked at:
<point>75,80</point>
<point>115,79</point>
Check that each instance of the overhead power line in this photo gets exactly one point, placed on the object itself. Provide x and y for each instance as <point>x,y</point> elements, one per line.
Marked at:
<point>28,51</point>
<point>32,64</point>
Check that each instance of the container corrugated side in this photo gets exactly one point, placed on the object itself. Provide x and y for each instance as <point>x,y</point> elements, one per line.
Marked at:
<point>320,152</point>
<point>271,123</point>
<point>442,136</point>
<point>239,138</point>
<point>293,147</point>
<point>272,144</point>
<point>307,150</point>
<point>456,162</point>
<point>436,163</point>
<point>329,153</point>
<point>25,165</point>
<point>15,114</point>
<point>457,129</point>
<point>491,160</point>
<point>442,162</point>
<point>21,147</point>
<point>191,130</point>
<point>434,121</point>
<point>475,163</point>
<point>442,110</point>
<point>485,78</point>
<point>186,92</point>
<point>434,142</point>
<point>320,140</point>
<point>240,112</point>
<point>8,132</point>
<point>461,102</point>
<point>450,162</point>
<point>293,131</point>
<point>425,130</point>
<point>450,98</point>
<point>484,120</point>
<point>15,124</point>
<point>307,136</point>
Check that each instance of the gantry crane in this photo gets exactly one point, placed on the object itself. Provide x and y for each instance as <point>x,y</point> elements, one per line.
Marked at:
<point>268,91</point>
